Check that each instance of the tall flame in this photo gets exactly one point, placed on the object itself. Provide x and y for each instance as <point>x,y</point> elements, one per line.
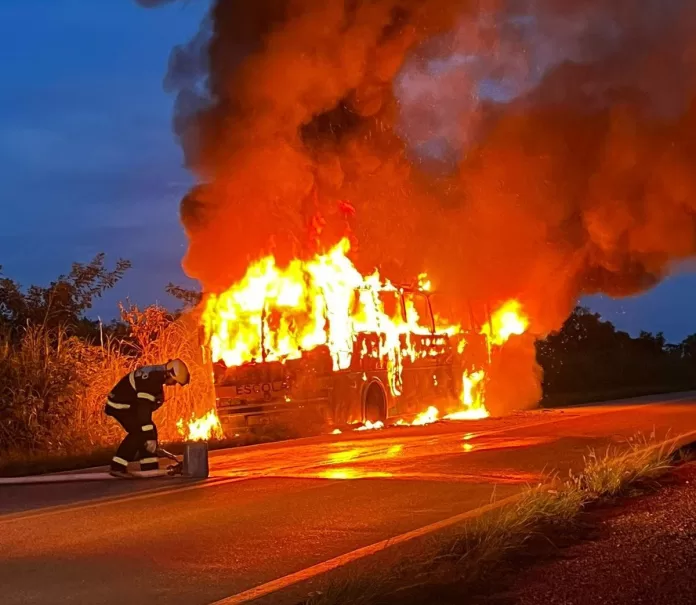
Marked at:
<point>277,313</point>
<point>472,398</point>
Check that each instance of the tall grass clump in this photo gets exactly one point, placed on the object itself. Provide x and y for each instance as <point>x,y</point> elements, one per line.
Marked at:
<point>54,384</point>
<point>38,382</point>
<point>610,474</point>
<point>156,337</point>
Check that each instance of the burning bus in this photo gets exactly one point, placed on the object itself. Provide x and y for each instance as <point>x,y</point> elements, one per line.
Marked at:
<point>320,340</point>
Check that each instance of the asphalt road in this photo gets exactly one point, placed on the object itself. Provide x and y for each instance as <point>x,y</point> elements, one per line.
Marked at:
<point>275,509</point>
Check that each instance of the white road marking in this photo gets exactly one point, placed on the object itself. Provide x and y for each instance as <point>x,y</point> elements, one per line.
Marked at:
<point>65,478</point>
<point>366,551</point>
<point>221,480</point>
<point>105,501</point>
<point>213,481</point>
<point>360,553</point>
<point>73,477</point>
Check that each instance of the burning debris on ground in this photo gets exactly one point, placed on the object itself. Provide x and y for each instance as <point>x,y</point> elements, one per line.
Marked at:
<point>201,429</point>
<point>513,151</point>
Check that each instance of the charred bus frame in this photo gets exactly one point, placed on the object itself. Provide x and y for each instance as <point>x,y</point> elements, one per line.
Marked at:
<point>257,392</point>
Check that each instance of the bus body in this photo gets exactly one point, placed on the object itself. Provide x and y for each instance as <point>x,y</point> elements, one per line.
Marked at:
<point>427,371</point>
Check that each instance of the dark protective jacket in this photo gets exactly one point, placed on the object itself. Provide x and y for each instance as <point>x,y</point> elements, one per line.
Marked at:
<point>137,395</point>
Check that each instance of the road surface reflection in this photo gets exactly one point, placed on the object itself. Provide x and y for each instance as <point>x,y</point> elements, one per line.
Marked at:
<point>399,455</point>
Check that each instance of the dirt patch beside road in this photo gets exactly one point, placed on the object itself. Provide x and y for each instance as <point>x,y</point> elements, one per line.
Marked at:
<point>638,551</point>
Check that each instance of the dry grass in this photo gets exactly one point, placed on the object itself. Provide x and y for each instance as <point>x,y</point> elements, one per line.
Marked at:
<point>618,469</point>
<point>465,555</point>
<point>47,382</point>
<point>20,464</point>
<point>462,555</point>
<point>177,339</point>
<point>53,386</point>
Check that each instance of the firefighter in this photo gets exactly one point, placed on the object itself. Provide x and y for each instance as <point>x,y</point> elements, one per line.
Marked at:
<point>131,402</point>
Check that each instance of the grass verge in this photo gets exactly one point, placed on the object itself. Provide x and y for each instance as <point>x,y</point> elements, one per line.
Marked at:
<point>455,564</point>
<point>20,463</point>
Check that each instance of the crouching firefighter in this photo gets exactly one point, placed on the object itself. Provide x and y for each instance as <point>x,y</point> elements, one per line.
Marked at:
<point>131,402</point>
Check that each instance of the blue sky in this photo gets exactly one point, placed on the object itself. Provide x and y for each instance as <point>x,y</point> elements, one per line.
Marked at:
<point>88,162</point>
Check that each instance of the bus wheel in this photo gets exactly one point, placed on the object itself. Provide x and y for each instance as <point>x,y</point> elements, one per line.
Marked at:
<point>375,403</point>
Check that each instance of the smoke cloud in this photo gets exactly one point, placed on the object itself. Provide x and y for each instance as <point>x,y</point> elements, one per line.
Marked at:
<point>529,149</point>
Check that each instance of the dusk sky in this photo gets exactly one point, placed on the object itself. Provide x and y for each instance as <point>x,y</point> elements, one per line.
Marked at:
<point>88,162</point>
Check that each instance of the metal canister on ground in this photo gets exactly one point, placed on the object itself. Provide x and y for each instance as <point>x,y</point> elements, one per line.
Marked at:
<point>196,459</point>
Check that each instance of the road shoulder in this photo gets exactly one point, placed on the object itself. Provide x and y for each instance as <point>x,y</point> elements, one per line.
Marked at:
<point>640,550</point>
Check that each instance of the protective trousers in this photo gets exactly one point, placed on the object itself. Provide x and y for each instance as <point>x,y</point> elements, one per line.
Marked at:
<point>139,428</point>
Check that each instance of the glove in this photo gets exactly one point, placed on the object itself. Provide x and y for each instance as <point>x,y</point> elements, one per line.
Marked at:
<point>151,446</point>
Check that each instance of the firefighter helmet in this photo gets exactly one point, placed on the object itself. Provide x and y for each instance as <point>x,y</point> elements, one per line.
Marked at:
<point>179,371</point>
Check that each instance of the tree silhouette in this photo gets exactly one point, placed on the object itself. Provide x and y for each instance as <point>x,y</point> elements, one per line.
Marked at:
<point>589,355</point>
<point>64,301</point>
<point>688,347</point>
<point>188,297</point>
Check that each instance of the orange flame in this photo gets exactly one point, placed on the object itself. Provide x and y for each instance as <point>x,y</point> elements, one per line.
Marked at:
<point>277,313</point>
<point>432,414</point>
<point>472,398</point>
<point>201,429</point>
<point>505,322</point>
